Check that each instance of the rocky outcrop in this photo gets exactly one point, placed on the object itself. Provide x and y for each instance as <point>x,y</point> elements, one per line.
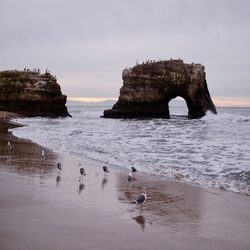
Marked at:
<point>31,93</point>
<point>148,88</point>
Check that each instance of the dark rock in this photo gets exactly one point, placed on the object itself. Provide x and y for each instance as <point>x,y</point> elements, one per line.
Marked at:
<point>148,88</point>
<point>31,93</point>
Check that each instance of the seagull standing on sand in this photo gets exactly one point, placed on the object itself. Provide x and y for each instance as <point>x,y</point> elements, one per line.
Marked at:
<point>133,169</point>
<point>105,169</point>
<point>141,197</point>
<point>59,166</point>
<point>43,155</point>
<point>105,180</point>
<point>129,177</point>
<point>9,146</point>
<point>82,171</point>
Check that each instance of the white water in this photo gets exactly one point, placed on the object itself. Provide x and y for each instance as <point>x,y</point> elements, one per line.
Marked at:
<point>212,151</point>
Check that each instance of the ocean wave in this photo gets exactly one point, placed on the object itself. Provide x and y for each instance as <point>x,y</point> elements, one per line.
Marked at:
<point>204,151</point>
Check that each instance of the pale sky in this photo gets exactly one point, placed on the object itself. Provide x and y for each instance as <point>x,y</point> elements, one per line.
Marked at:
<point>87,44</point>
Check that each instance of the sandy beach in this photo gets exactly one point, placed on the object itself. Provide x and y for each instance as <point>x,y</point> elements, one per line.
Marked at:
<point>39,210</point>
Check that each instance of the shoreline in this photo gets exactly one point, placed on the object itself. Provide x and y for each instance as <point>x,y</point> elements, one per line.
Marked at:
<point>195,168</point>
<point>39,212</point>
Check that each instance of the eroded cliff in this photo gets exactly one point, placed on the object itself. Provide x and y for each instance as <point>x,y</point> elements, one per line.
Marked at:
<point>31,93</point>
<point>148,88</point>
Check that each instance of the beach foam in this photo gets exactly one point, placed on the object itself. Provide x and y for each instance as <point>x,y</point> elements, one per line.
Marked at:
<point>212,151</point>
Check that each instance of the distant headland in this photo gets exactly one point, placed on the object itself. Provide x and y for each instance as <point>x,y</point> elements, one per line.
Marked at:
<point>31,93</point>
<point>148,88</point>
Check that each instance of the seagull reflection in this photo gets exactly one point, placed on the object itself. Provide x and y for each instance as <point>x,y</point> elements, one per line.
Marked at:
<point>9,157</point>
<point>80,187</point>
<point>128,195</point>
<point>104,182</point>
<point>140,220</point>
<point>58,179</point>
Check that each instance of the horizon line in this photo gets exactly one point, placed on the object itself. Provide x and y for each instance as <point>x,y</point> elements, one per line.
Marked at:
<point>218,101</point>
<point>92,99</point>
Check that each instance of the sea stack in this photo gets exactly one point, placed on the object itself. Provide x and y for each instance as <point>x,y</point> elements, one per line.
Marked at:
<point>148,88</point>
<point>31,93</point>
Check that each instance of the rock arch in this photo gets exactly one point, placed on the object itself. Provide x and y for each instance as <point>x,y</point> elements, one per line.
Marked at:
<point>148,88</point>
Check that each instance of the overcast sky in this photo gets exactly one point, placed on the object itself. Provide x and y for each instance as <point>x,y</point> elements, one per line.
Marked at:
<point>87,44</point>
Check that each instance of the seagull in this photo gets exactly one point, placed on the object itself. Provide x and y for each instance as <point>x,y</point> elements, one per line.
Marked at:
<point>129,177</point>
<point>82,171</point>
<point>9,146</point>
<point>105,169</point>
<point>141,197</point>
<point>43,155</point>
<point>133,169</point>
<point>59,166</point>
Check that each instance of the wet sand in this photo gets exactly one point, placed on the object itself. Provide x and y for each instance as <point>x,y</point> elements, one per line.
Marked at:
<point>41,208</point>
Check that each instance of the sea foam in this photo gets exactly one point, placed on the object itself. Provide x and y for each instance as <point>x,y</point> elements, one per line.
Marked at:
<point>211,151</point>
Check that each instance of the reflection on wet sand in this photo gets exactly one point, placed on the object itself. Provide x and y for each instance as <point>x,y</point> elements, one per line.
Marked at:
<point>26,159</point>
<point>175,216</point>
<point>128,195</point>
<point>141,221</point>
<point>163,207</point>
<point>58,179</point>
<point>166,204</point>
<point>104,182</point>
<point>80,187</point>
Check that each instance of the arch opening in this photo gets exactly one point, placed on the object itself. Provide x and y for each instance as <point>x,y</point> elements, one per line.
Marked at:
<point>178,107</point>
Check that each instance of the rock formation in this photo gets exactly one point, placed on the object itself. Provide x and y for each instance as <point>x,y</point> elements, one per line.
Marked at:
<point>31,93</point>
<point>148,88</point>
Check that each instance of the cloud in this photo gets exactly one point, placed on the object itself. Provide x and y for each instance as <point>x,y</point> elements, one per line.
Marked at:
<point>231,102</point>
<point>87,44</point>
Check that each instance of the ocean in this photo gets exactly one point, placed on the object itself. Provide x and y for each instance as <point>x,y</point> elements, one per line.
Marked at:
<point>213,151</point>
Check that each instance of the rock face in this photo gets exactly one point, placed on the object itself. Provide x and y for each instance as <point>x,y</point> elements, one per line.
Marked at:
<point>31,93</point>
<point>148,88</point>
